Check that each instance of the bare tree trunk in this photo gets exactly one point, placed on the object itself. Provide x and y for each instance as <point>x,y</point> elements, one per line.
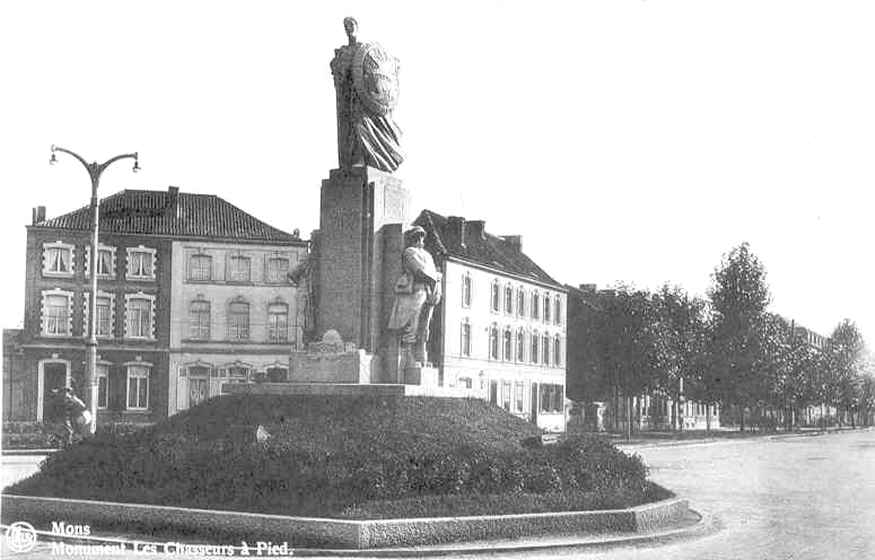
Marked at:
<point>708,418</point>
<point>741,421</point>
<point>628,417</point>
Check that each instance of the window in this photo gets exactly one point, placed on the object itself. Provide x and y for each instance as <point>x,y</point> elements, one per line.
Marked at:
<point>464,382</point>
<point>518,392</point>
<point>200,268</point>
<point>508,300</point>
<point>533,357</point>
<point>521,302</point>
<point>465,343</point>
<point>139,316</point>
<point>557,315</point>
<point>508,345</point>
<point>557,351</point>
<point>545,344</point>
<point>56,313</point>
<point>138,387</point>
<point>496,297</point>
<point>551,398</point>
<point>58,259</point>
<point>102,385</point>
<point>105,313</point>
<point>536,305</point>
<point>238,320</point>
<point>277,374</point>
<point>520,345</point>
<point>466,290</point>
<point>505,395</point>
<point>199,319</point>
<point>547,308</point>
<point>278,322</point>
<point>105,261</point>
<point>493,342</point>
<point>239,270</point>
<point>238,374</point>
<point>141,263</point>
<point>278,270</point>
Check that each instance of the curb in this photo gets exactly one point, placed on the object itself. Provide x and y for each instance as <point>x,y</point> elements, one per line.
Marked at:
<point>705,524</point>
<point>19,452</point>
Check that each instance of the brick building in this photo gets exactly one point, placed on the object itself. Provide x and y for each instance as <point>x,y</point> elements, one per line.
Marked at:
<point>139,232</point>
<point>500,329</point>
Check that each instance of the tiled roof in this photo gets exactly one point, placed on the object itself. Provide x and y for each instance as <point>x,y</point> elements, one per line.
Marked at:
<point>172,213</point>
<point>488,250</point>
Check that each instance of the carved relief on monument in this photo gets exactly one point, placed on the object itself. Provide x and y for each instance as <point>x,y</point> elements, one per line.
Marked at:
<point>366,83</point>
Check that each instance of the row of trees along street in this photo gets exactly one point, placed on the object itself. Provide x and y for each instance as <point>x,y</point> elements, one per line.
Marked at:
<point>728,350</point>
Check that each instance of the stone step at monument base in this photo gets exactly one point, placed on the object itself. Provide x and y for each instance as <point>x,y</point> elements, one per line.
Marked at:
<point>347,389</point>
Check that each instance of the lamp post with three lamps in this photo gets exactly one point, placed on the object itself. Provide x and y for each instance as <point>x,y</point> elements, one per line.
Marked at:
<point>95,170</point>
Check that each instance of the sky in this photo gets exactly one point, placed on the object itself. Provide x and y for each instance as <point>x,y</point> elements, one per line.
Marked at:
<point>626,141</point>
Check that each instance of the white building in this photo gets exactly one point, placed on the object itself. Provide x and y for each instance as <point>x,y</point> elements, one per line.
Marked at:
<point>500,330</point>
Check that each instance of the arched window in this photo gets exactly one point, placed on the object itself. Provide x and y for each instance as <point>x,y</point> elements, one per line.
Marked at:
<point>557,351</point>
<point>547,308</point>
<point>533,355</point>
<point>508,345</point>
<point>199,319</point>
<point>520,345</point>
<point>466,290</point>
<point>508,299</point>
<point>278,322</point>
<point>521,302</point>
<point>545,344</point>
<point>536,305</point>
<point>493,342</point>
<point>557,315</point>
<point>465,342</point>
<point>495,300</point>
<point>238,320</point>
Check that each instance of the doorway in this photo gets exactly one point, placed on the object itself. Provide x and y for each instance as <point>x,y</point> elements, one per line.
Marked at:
<point>54,376</point>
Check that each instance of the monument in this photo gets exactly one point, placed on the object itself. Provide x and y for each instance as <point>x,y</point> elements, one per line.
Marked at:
<point>374,293</point>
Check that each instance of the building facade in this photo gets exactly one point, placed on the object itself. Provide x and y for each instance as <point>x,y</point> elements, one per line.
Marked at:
<point>500,330</point>
<point>139,232</point>
<point>237,316</point>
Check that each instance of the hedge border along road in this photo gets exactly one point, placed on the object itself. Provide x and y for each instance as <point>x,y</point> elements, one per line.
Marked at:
<point>304,532</point>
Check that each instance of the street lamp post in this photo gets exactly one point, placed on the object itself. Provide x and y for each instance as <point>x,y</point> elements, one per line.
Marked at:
<point>94,171</point>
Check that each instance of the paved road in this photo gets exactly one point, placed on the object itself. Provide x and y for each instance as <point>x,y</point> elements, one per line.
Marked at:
<point>15,467</point>
<point>791,498</point>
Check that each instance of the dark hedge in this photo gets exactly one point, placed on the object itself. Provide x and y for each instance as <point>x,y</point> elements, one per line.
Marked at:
<point>344,457</point>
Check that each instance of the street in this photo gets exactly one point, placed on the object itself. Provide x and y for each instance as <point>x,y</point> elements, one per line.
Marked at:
<point>792,497</point>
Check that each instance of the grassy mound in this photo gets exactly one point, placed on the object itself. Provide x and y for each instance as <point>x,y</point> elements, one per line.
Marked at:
<point>345,457</point>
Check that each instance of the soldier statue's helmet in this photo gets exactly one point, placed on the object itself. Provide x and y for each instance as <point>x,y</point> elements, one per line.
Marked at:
<point>416,231</point>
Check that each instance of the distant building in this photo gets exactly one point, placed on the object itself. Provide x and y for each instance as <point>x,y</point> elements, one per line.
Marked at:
<point>500,330</point>
<point>145,296</point>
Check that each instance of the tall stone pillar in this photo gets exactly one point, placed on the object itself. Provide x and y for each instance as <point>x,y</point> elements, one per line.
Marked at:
<point>363,212</point>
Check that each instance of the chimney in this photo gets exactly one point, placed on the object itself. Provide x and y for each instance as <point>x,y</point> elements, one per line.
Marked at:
<point>38,215</point>
<point>173,196</point>
<point>456,230</point>
<point>515,241</point>
<point>478,228</point>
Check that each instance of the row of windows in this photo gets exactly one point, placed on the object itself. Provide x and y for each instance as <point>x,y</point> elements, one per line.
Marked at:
<point>512,396</point>
<point>238,320</point>
<point>200,268</point>
<point>519,346</point>
<point>57,316</point>
<point>59,261</point>
<point>515,301</point>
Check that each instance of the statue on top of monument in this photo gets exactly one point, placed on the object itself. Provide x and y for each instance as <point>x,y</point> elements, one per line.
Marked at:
<point>366,83</point>
<point>417,292</point>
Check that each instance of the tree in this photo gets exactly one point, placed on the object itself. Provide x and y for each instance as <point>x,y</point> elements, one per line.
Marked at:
<point>682,344</point>
<point>628,344</point>
<point>739,296</point>
<point>846,352</point>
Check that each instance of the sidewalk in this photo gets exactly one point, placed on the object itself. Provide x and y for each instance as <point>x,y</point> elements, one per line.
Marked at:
<point>700,437</point>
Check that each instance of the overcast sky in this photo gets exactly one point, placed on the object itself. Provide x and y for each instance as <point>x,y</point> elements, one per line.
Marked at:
<point>625,140</point>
